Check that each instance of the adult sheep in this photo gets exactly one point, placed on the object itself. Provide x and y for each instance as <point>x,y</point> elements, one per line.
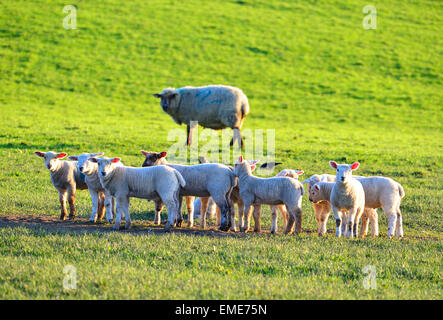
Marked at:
<point>215,107</point>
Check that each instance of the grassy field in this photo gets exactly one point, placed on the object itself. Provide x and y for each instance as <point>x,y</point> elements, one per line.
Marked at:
<point>331,90</point>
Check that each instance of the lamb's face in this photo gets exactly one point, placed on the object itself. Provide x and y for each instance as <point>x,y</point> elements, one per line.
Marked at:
<point>83,158</point>
<point>88,167</point>
<point>167,99</point>
<point>290,173</point>
<point>152,158</point>
<point>51,158</point>
<point>314,193</point>
<point>106,165</point>
<point>344,171</point>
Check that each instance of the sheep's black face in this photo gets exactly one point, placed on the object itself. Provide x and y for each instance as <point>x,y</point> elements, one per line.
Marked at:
<point>164,103</point>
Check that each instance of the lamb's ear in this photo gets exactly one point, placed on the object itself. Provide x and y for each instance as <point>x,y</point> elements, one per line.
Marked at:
<point>231,168</point>
<point>39,154</point>
<point>73,158</point>
<point>253,166</point>
<point>306,181</point>
<point>145,153</point>
<point>96,155</point>
<point>355,166</point>
<point>162,154</point>
<point>317,187</point>
<point>61,155</point>
<point>333,164</point>
<point>93,160</point>
<point>300,172</point>
<point>253,161</point>
<point>240,159</point>
<point>157,95</point>
<point>115,160</point>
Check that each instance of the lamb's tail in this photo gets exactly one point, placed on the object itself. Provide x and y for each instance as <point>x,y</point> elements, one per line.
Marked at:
<point>180,178</point>
<point>401,191</point>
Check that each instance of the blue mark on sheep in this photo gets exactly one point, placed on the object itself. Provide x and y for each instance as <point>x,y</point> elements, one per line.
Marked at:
<point>205,94</point>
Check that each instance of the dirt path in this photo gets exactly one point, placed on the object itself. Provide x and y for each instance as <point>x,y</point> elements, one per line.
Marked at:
<point>141,227</point>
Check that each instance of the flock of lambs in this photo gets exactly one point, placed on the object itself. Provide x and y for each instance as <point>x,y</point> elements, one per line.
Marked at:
<point>220,187</point>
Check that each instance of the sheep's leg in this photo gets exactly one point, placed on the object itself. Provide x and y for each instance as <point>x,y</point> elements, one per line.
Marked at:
<point>323,221</point>
<point>399,229</point>
<point>237,137</point>
<point>190,131</point>
<point>110,206</point>
<point>203,209</point>
<point>71,200</point>
<point>94,200</point>
<point>62,198</point>
<point>118,217</point>
<point>179,216</point>
<point>274,219</point>
<point>101,206</point>
<point>247,217</point>
<point>364,224</point>
<point>233,224</point>
<point>173,207</point>
<point>373,219</point>
<point>190,208</point>
<point>392,221</point>
<point>290,224</point>
<point>256,214</point>
<point>126,211</point>
<point>338,221</point>
<point>225,208</point>
<point>158,209</point>
<point>284,215</point>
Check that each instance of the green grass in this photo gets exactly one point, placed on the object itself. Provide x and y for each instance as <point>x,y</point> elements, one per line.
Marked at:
<point>329,88</point>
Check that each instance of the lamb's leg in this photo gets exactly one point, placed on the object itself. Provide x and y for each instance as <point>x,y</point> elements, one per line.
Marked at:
<point>110,206</point>
<point>126,211</point>
<point>225,209</point>
<point>179,220</point>
<point>284,215</point>
<point>392,220</point>
<point>190,208</point>
<point>241,209</point>
<point>233,225</point>
<point>373,219</point>
<point>350,222</point>
<point>399,229</point>
<point>173,207</point>
<point>71,200</point>
<point>101,206</point>
<point>158,209</point>
<point>203,209</point>
<point>256,214</point>
<point>338,221</point>
<point>274,219</point>
<point>364,223</point>
<point>217,212</point>
<point>94,201</point>
<point>297,213</point>
<point>62,198</point>
<point>247,217</point>
<point>290,224</point>
<point>323,221</point>
<point>118,217</point>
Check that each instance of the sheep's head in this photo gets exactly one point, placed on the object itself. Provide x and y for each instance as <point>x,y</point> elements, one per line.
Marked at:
<point>344,171</point>
<point>106,165</point>
<point>51,159</point>
<point>314,193</point>
<point>290,173</point>
<point>153,158</point>
<point>168,98</point>
<point>244,166</point>
<point>85,166</point>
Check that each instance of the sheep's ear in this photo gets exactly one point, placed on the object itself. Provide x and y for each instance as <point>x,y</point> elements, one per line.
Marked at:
<point>355,166</point>
<point>61,155</point>
<point>333,164</point>
<point>115,160</point>
<point>94,160</point>
<point>95,155</point>
<point>39,154</point>
<point>157,95</point>
<point>145,153</point>
<point>300,172</point>
<point>162,154</point>
<point>317,187</point>
<point>73,158</point>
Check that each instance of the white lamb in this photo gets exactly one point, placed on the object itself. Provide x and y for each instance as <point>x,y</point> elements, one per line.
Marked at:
<point>99,197</point>
<point>256,191</point>
<point>152,183</point>
<point>347,197</point>
<point>65,178</point>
